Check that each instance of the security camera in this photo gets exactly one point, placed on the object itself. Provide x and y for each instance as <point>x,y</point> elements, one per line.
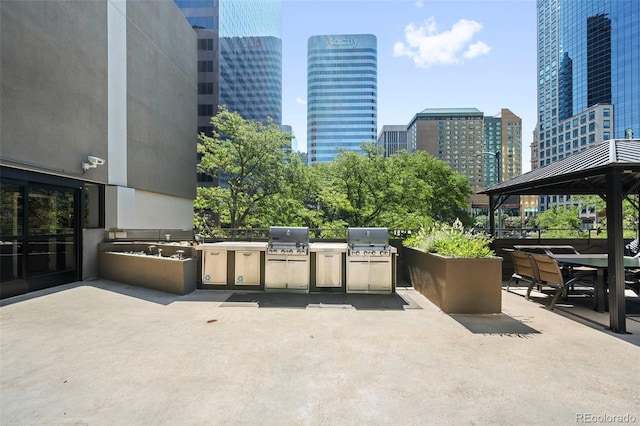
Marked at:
<point>95,160</point>
<point>92,164</point>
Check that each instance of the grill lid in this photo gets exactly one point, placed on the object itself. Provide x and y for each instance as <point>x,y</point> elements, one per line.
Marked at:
<point>367,237</point>
<point>282,236</point>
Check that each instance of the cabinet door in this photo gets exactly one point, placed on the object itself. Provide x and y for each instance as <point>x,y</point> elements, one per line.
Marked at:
<point>247,268</point>
<point>275,273</point>
<point>358,275</point>
<point>380,275</point>
<point>214,270</point>
<point>329,269</point>
<point>298,273</point>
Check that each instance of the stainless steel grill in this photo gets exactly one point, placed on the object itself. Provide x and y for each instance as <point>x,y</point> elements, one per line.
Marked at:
<point>368,242</point>
<point>293,241</point>
<point>370,261</point>
<point>287,259</point>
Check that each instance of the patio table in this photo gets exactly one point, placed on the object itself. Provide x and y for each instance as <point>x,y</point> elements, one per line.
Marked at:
<point>600,262</point>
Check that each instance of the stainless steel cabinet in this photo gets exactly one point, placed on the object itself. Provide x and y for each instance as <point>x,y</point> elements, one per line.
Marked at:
<point>247,270</point>
<point>286,272</point>
<point>275,273</point>
<point>214,269</point>
<point>369,274</point>
<point>298,273</point>
<point>358,274</point>
<point>329,269</point>
<point>380,278</point>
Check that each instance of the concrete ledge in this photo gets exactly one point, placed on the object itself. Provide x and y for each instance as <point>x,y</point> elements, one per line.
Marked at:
<point>177,276</point>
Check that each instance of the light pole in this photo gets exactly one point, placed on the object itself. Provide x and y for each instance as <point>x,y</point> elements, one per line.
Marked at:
<point>498,164</point>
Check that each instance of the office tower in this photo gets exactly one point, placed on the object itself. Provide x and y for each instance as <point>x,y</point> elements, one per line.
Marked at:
<point>251,58</point>
<point>203,17</point>
<point>97,125</point>
<point>589,83</point>
<point>485,149</point>
<point>239,57</point>
<point>503,134</point>
<point>342,93</point>
<point>393,138</point>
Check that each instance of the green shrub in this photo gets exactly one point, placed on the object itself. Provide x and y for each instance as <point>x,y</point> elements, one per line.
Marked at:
<point>451,240</point>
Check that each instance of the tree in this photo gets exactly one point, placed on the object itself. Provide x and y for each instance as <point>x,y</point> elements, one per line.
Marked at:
<point>431,188</point>
<point>559,222</point>
<point>247,159</point>
<point>402,191</point>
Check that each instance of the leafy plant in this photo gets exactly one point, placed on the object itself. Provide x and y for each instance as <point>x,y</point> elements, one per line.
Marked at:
<point>451,241</point>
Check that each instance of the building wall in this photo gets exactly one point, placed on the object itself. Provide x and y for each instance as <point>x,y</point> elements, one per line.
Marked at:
<point>393,138</point>
<point>113,79</point>
<point>161,94</point>
<point>342,93</point>
<point>455,136</point>
<point>53,111</point>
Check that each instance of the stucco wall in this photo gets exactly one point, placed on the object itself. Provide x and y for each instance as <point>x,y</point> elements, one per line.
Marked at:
<point>53,111</point>
<point>161,99</point>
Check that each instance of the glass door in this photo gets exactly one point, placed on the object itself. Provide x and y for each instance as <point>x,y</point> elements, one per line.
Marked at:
<point>12,279</point>
<point>52,228</point>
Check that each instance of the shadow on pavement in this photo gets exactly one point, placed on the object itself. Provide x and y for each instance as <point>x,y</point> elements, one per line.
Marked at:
<point>329,300</point>
<point>579,307</point>
<point>499,324</point>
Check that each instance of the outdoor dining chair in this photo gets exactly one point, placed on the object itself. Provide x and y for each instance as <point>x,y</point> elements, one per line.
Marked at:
<point>547,271</point>
<point>522,268</point>
<point>632,278</point>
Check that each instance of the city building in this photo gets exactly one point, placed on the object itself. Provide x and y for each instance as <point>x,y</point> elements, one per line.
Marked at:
<point>239,60</point>
<point>203,15</point>
<point>487,149</point>
<point>239,57</point>
<point>97,127</point>
<point>393,138</point>
<point>589,86</point>
<point>251,58</point>
<point>342,93</point>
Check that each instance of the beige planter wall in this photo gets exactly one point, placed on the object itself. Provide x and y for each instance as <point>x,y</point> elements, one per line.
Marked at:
<point>457,286</point>
<point>158,273</point>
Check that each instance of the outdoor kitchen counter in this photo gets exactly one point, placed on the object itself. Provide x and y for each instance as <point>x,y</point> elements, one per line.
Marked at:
<point>234,245</point>
<point>233,264</point>
<point>328,271</point>
<point>328,246</point>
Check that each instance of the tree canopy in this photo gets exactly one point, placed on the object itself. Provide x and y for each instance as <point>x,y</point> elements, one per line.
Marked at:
<point>261,183</point>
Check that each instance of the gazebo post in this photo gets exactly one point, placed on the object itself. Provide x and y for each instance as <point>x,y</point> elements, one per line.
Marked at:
<point>617,308</point>
<point>492,219</point>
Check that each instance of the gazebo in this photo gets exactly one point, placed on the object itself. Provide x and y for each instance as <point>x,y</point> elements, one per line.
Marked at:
<point>611,170</point>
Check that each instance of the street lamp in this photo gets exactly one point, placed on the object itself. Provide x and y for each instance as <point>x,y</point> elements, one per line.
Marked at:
<point>498,165</point>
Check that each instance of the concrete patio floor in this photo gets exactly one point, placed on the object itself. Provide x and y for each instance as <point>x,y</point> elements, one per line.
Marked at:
<point>99,352</point>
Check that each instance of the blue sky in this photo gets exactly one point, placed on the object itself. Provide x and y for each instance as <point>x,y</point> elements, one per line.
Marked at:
<point>431,54</point>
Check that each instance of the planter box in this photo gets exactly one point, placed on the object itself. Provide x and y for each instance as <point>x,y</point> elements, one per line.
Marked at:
<point>177,276</point>
<point>457,286</point>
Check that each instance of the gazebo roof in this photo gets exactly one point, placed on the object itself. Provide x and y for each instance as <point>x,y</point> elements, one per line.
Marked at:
<point>581,173</point>
<point>611,170</point>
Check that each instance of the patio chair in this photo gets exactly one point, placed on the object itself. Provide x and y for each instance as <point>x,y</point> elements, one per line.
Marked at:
<point>522,268</point>
<point>632,278</point>
<point>547,271</point>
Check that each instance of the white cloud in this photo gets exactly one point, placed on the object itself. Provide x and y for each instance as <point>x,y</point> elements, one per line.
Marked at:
<point>426,46</point>
<point>476,49</point>
<point>301,101</point>
<point>419,4</point>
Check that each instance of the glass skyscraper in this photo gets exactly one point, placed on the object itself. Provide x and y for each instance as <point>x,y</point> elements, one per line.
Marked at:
<point>251,58</point>
<point>203,17</point>
<point>239,57</point>
<point>342,93</point>
<point>589,76</point>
